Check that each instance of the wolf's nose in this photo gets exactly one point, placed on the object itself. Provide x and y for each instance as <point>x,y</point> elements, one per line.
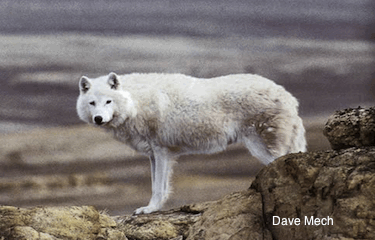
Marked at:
<point>98,120</point>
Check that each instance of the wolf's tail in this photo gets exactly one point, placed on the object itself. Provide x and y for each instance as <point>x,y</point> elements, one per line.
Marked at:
<point>298,141</point>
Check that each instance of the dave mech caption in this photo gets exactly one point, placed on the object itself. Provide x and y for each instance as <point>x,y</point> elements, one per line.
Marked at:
<point>308,221</point>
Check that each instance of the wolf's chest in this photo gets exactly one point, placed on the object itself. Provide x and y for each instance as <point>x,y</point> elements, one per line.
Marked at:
<point>134,140</point>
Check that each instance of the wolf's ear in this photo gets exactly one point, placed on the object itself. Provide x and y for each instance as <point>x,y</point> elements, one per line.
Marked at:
<point>113,80</point>
<point>84,84</point>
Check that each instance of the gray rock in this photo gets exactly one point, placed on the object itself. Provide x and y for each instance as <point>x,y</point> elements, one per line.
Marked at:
<point>351,128</point>
<point>335,184</point>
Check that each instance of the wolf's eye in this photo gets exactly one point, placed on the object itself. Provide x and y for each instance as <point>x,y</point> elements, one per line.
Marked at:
<point>92,103</point>
<point>109,101</point>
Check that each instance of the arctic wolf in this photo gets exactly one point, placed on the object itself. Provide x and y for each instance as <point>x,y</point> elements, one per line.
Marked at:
<point>167,115</point>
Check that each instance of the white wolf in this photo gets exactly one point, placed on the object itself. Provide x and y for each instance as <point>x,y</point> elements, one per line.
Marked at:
<point>167,115</point>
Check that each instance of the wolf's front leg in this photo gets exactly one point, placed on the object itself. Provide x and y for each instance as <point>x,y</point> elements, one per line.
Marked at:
<point>161,168</point>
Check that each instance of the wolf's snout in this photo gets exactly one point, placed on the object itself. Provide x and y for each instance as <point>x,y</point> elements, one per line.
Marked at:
<point>98,120</point>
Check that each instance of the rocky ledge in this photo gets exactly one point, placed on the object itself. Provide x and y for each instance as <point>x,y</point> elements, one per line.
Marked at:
<point>313,195</point>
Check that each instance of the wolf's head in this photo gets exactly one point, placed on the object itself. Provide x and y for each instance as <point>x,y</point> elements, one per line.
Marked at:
<point>103,102</point>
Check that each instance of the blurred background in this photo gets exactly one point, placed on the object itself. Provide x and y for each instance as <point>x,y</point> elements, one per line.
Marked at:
<point>322,51</point>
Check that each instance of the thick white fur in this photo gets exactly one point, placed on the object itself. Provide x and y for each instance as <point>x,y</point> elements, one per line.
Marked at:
<point>167,115</point>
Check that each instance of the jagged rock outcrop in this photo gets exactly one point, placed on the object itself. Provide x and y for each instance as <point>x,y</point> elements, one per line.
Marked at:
<point>335,184</point>
<point>351,128</point>
<point>331,193</point>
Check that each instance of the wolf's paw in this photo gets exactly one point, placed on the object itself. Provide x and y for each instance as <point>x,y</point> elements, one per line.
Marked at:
<point>145,210</point>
